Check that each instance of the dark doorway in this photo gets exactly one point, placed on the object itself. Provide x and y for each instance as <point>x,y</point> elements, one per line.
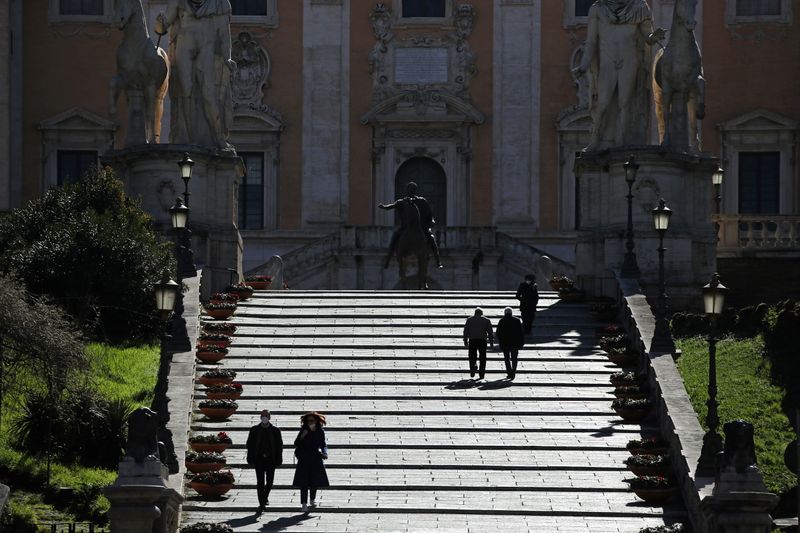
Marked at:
<point>430,177</point>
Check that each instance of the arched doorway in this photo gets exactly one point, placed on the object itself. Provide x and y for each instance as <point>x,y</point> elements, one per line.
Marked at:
<point>432,182</point>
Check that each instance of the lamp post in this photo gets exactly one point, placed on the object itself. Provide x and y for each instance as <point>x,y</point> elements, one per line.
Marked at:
<point>716,179</point>
<point>630,269</point>
<point>184,255</point>
<point>662,339</point>
<point>714,302</point>
<point>167,293</point>
<point>179,341</point>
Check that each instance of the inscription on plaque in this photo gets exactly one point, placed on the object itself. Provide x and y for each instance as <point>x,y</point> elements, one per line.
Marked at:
<point>420,65</point>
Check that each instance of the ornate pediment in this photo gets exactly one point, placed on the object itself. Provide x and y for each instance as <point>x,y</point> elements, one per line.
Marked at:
<point>77,119</point>
<point>423,105</point>
<point>759,120</point>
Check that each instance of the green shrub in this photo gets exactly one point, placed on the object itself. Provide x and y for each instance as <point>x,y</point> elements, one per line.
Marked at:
<point>91,248</point>
<point>18,517</point>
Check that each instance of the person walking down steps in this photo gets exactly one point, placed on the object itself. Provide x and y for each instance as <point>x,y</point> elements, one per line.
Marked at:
<point>510,337</point>
<point>310,449</point>
<point>477,329</point>
<point>265,454</point>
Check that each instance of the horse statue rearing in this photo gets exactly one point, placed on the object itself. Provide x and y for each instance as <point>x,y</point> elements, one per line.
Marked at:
<point>142,72</point>
<point>678,84</point>
<point>412,242</point>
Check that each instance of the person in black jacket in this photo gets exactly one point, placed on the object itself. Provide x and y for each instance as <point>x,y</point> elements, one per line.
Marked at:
<point>310,449</point>
<point>511,338</point>
<point>528,296</point>
<point>265,453</point>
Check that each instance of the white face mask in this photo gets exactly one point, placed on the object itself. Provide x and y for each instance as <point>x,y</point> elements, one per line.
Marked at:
<point>265,420</point>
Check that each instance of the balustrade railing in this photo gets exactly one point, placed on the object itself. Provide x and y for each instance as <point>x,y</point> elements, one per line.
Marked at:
<point>754,232</point>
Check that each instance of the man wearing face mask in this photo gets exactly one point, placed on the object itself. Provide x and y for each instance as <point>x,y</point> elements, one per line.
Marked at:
<point>265,453</point>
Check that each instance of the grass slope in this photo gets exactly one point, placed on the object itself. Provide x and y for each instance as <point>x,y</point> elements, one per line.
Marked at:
<point>745,392</point>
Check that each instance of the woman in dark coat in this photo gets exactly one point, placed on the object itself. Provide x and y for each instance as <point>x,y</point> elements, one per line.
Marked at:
<point>310,450</point>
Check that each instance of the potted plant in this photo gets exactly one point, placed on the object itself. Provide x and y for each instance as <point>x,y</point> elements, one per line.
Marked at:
<point>560,282</point>
<point>653,489</point>
<point>212,484</point>
<point>197,462</point>
<point>630,391</point>
<point>225,328</point>
<point>227,391</point>
<point>649,465</point>
<point>214,339</point>
<point>649,445</point>
<point>220,297</point>
<point>608,330</point>
<point>258,282</point>
<point>571,294</point>
<point>210,443</point>
<point>220,311</point>
<point>207,527</point>
<point>240,291</point>
<point>614,342</point>
<point>604,308</point>
<point>674,528</point>
<point>622,357</point>
<point>217,376</point>
<point>619,379</point>
<point>210,354</point>
<point>218,410</point>
<point>631,410</point>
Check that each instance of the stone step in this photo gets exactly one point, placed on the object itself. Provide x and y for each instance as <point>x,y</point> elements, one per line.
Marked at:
<point>244,363</point>
<point>290,519</point>
<point>253,325</point>
<point>528,355</point>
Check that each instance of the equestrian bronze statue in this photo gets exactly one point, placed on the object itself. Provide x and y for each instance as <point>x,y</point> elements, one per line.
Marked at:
<point>414,237</point>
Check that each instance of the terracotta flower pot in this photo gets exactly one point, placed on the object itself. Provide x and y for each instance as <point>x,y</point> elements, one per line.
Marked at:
<point>209,447</point>
<point>214,381</point>
<point>218,413</point>
<point>210,491</point>
<point>655,496</point>
<point>218,344</point>
<point>572,297</point>
<point>623,358</point>
<point>209,357</point>
<point>197,468</point>
<point>223,395</point>
<point>258,285</point>
<point>632,415</point>
<point>640,470</point>
<point>556,285</point>
<point>220,314</point>
<point>631,395</point>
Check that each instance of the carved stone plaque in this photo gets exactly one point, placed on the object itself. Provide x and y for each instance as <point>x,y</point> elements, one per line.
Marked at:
<point>420,66</point>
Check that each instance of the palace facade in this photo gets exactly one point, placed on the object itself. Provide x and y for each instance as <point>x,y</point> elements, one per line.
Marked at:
<point>339,103</point>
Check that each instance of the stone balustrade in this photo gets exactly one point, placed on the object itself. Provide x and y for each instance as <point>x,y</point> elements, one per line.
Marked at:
<point>758,232</point>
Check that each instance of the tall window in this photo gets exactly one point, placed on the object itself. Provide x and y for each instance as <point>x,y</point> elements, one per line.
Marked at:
<point>759,182</point>
<point>249,7</point>
<point>74,164</point>
<point>758,8</point>
<point>582,7</point>
<point>423,8</point>
<point>80,7</point>
<point>251,192</point>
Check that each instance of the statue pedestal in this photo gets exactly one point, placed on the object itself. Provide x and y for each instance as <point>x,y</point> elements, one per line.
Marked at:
<point>740,503</point>
<point>684,181</point>
<point>140,500</point>
<point>151,174</point>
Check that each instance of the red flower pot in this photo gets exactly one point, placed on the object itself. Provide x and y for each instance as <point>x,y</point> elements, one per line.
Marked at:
<point>258,285</point>
<point>217,413</point>
<point>632,415</point>
<point>197,468</point>
<point>209,357</point>
<point>641,470</point>
<point>624,358</point>
<point>210,491</point>
<point>214,381</point>
<point>220,314</point>
<point>209,447</point>
<point>655,496</point>
<point>631,395</point>
<point>218,344</point>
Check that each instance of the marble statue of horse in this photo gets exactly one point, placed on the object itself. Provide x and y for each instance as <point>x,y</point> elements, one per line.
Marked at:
<point>412,242</point>
<point>142,72</point>
<point>678,84</point>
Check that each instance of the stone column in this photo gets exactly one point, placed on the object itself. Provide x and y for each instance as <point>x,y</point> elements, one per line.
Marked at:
<point>516,108</point>
<point>326,107</point>
<point>5,107</point>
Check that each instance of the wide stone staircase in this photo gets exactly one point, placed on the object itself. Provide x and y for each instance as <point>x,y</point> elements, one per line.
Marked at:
<point>414,444</point>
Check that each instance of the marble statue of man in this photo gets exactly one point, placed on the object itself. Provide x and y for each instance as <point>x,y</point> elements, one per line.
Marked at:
<point>617,57</point>
<point>200,84</point>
